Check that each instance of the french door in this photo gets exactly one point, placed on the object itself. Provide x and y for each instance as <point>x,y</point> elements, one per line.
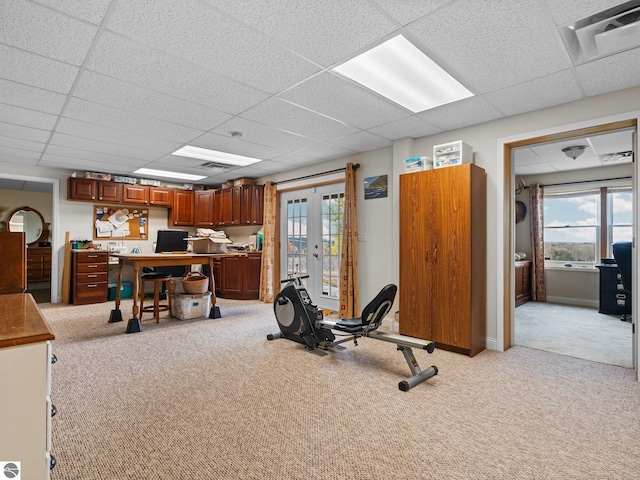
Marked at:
<point>311,233</point>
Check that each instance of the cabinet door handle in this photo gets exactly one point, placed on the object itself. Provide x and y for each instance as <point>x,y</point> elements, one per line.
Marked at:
<point>92,276</point>
<point>92,285</point>
<point>92,266</point>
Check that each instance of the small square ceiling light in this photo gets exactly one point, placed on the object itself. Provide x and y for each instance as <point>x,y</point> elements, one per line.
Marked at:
<point>215,156</point>
<point>399,71</point>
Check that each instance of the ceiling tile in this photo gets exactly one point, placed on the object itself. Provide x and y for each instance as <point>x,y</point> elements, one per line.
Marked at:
<point>128,121</point>
<point>325,151</point>
<point>607,74</point>
<point>78,128</point>
<point>74,153</point>
<point>25,133</point>
<point>28,145</point>
<point>469,111</point>
<point>407,11</point>
<point>116,93</point>
<point>292,118</point>
<point>548,91</point>
<point>612,142</point>
<point>413,127</point>
<point>196,33</point>
<point>534,169</point>
<point>361,141</point>
<point>25,117</point>
<point>33,98</point>
<point>264,135</point>
<point>24,67</point>
<point>101,147</point>
<point>57,161</point>
<point>8,158</point>
<point>324,32</point>
<point>488,50</point>
<point>526,156</point>
<point>343,100</point>
<point>295,160</point>
<point>31,27</point>
<point>17,153</point>
<point>238,146</point>
<point>123,59</point>
<point>93,11</point>
<point>570,10</point>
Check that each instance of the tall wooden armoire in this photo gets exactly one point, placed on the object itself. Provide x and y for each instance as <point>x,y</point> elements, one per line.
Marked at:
<point>13,277</point>
<point>443,231</point>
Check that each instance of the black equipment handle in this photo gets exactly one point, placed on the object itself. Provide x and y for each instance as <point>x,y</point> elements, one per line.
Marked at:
<point>299,277</point>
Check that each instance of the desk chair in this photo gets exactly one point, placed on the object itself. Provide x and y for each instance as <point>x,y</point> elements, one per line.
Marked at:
<point>622,255</point>
<point>169,241</point>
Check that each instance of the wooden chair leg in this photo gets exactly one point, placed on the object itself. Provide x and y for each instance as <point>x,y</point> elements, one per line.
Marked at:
<point>169,292</point>
<point>141,299</point>
<point>156,300</point>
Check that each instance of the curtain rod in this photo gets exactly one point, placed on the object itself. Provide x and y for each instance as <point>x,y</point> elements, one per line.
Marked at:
<point>582,181</point>
<point>355,167</point>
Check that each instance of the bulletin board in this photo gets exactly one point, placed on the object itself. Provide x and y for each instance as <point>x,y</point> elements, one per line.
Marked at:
<point>118,222</point>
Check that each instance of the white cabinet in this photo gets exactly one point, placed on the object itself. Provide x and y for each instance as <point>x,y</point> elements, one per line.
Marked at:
<point>25,402</point>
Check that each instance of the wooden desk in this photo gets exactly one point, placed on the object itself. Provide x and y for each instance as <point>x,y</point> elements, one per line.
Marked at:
<point>138,260</point>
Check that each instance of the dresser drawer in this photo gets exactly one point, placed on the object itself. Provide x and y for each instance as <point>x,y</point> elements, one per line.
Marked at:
<point>95,289</point>
<point>92,257</point>
<point>92,267</point>
<point>95,277</point>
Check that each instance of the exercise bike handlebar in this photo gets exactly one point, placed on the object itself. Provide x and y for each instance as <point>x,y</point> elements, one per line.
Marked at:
<point>296,277</point>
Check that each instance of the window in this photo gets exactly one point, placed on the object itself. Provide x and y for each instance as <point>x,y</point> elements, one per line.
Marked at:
<point>573,224</point>
<point>571,227</point>
<point>619,213</point>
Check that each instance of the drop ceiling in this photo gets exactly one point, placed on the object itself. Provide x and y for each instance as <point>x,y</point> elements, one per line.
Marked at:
<point>115,85</point>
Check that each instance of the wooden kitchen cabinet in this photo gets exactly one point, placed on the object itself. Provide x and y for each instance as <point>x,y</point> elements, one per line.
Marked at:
<point>89,189</point>
<point>239,205</point>
<point>443,257</point>
<point>251,204</point>
<point>203,216</point>
<point>160,196</point>
<point>238,276</point>
<point>182,211</point>
<point>136,194</point>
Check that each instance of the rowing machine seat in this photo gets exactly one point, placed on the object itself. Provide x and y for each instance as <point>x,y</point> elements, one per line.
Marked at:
<point>372,315</point>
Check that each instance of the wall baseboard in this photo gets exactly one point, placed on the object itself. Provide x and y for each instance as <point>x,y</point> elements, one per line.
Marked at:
<point>578,302</point>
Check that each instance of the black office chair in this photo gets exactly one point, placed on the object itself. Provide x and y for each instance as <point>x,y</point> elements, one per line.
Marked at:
<point>169,241</point>
<point>622,255</point>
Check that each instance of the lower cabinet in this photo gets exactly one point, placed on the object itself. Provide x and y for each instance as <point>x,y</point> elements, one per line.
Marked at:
<point>90,277</point>
<point>613,299</point>
<point>238,276</point>
<point>523,282</point>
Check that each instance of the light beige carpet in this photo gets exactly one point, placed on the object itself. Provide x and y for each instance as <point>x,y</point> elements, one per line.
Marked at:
<point>213,399</point>
<point>580,332</point>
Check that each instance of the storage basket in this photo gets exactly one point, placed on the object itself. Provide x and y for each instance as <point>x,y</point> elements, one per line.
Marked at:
<point>195,283</point>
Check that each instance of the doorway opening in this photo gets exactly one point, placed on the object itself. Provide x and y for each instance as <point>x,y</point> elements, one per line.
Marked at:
<point>509,205</point>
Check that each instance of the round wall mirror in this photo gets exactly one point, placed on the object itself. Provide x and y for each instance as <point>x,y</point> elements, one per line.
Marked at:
<point>29,221</point>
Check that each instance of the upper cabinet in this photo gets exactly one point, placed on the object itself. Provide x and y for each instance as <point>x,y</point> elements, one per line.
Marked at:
<point>137,194</point>
<point>204,201</point>
<point>160,196</point>
<point>182,212</point>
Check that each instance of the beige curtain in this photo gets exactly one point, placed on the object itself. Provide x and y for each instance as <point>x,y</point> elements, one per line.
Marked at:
<point>269,244</point>
<point>538,286</point>
<point>349,301</point>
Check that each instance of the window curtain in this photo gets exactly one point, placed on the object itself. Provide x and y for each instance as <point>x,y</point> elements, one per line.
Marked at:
<point>538,287</point>
<point>349,298</point>
<point>268,244</point>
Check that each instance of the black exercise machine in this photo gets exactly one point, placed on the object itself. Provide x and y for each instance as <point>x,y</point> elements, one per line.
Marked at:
<point>303,322</point>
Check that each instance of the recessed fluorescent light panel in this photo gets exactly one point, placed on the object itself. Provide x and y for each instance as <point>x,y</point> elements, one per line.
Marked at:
<point>215,156</point>
<point>399,71</point>
<point>167,174</point>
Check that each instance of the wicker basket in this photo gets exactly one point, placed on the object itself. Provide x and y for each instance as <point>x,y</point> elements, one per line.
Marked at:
<point>195,283</point>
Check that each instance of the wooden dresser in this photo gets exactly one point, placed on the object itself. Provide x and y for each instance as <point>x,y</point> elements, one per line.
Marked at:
<point>89,277</point>
<point>38,264</point>
<point>25,370</point>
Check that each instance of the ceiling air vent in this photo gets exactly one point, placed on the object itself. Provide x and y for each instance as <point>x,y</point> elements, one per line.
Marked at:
<point>618,156</point>
<point>604,33</point>
<point>214,166</point>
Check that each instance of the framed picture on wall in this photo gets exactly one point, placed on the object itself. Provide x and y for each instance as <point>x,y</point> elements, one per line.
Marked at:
<point>375,187</point>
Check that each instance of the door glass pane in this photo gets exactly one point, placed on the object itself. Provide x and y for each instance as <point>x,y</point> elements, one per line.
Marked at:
<point>297,237</point>
<point>332,214</point>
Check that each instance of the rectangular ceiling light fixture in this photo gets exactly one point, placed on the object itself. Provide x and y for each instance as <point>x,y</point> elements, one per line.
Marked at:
<point>399,71</point>
<point>166,174</point>
<point>215,156</point>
